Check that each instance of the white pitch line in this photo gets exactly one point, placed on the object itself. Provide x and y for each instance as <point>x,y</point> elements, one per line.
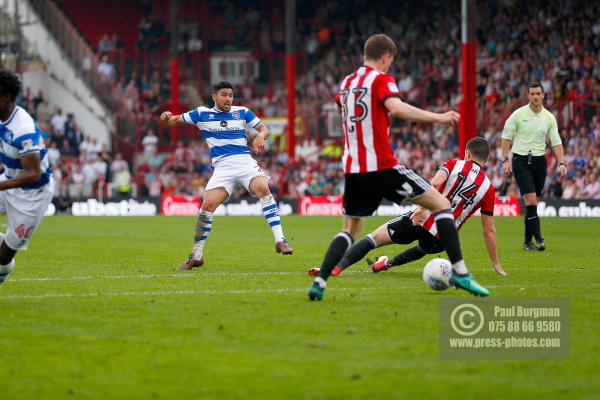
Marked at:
<point>226,274</point>
<point>150,276</point>
<point>168,292</point>
<point>233,291</point>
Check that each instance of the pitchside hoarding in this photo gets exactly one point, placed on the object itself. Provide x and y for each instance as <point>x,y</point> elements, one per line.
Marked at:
<point>503,207</point>
<point>190,206</point>
<point>306,206</point>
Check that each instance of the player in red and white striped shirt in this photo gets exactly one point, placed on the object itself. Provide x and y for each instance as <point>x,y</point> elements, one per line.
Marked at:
<point>366,99</point>
<point>366,125</point>
<point>467,187</point>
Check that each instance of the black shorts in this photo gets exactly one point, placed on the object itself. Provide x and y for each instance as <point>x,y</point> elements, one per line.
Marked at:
<point>402,231</point>
<point>530,173</point>
<point>363,192</point>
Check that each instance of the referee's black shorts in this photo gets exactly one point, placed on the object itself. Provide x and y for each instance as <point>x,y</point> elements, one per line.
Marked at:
<point>363,192</point>
<point>402,231</point>
<point>530,173</point>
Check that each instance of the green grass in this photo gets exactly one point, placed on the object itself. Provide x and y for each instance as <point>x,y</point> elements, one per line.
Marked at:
<point>118,321</point>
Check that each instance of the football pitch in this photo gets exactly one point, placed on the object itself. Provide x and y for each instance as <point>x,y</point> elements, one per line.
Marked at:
<point>97,310</point>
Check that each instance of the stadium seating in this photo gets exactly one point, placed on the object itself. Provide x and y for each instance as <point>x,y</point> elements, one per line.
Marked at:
<point>330,39</point>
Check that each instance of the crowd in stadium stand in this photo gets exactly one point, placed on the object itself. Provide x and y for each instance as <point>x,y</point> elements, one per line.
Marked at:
<point>559,46</point>
<point>82,167</point>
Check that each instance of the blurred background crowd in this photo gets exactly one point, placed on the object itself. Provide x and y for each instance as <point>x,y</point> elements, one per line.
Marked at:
<point>559,46</point>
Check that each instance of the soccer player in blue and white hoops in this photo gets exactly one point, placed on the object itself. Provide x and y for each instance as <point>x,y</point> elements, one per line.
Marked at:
<point>26,186</point>
<point>224,128</point>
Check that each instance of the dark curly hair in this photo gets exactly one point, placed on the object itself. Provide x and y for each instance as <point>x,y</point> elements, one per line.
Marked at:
<point>222,85</point>
<point>10,84</point>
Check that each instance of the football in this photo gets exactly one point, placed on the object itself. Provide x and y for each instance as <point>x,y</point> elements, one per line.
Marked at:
<point>437,273</point>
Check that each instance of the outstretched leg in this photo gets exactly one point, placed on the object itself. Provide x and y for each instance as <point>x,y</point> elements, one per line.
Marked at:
<point>378,238</point>
<point>212,199</point>
<point>407,256</point>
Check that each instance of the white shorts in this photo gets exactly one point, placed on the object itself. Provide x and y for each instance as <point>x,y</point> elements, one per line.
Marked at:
<point>24,210</point>
<point>230,170</point>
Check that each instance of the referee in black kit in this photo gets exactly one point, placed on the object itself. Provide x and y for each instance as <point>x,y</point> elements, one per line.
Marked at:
<point>525,133</point>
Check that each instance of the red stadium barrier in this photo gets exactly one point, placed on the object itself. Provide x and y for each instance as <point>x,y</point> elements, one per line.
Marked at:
<point>180,205</point>
<point>507,207</point>
<point>332,205</point>
<point>320,205</point>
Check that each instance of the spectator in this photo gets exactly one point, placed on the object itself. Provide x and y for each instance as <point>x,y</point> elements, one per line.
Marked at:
<point>58,123</point>
<point>90,178</point>
<point>53,154</point>
<point>105,45</point>
<point>106,70</point>
<point>84,149</point>
<point>77,180</point>
<point>44,111</point>
<point>570,191</point>
<point>116,42</point>
<point>194,44</point>
<point>69,129</point>
<point>592,188</point>
<point>122,180</point>
<point>118,164</point>
<point>150,143</point>
<point>94,148</point>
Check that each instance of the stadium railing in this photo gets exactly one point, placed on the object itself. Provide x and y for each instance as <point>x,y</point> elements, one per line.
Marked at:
<point>81,55</point>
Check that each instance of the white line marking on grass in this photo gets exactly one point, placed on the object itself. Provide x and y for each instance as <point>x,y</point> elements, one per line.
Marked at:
<point>255,273</point>
<point>233,291</point>
<point>168,293</point>
<point>151,276</point>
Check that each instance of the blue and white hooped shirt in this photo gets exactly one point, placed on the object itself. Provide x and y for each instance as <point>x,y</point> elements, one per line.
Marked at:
<point>19,136</point>
<point>225,132</point>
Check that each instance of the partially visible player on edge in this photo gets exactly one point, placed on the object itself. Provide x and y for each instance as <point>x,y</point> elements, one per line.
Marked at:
<point>26,186</point>
<point>466,186</point>
<point>224,127</point>
<point>372,172</point>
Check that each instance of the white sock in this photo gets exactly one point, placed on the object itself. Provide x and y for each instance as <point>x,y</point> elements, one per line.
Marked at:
<point>203,228</point>
<point>322,282</point>
<point>5,270</point>
<point>271,213</point>
<point>460,267</point>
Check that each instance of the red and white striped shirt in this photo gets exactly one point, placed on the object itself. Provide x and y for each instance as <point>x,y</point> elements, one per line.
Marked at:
<point>365,120</point>
<point>468,188</point>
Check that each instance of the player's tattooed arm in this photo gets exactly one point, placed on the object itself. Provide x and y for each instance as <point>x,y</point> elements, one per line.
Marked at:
<point>169,119</point>
<point>258,145</point>
<point>31,174</point>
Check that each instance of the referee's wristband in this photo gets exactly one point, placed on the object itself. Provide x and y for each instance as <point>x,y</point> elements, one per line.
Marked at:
<point>562,163</point>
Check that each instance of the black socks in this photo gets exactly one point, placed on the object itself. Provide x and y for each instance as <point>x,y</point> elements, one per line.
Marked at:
<point>357,252</point>
<point>444,221</point>
<point>335,252</point>
<point>412,254</point>
<point>532,224</point>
